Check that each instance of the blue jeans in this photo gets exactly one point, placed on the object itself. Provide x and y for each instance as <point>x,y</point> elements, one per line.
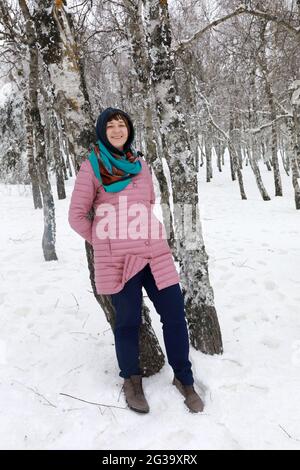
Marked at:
<point>169,304</point>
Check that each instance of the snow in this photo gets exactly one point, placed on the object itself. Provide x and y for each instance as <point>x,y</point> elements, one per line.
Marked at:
<point>295,100</point>
<point>5,90</point>
<point>54,338</point>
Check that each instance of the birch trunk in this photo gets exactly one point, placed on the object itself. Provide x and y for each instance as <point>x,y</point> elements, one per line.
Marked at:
<point>219,149</point>
<point>151,358</point>
<point>257,174</point>
<point>142,66</point>
<point>53,143</point>
<point>62,60</point>
<point>262,60</point>
<point>208,154</point>
<point>66,70</point>
<point>48,241</point>
<point>231,154</point>
<point>36,193</point>
<point>234,161</point>
<point>254,153</point>
<point>201,314</point>
<point>294,128</point>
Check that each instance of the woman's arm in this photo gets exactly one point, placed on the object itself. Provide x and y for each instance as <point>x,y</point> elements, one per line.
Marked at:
<point>82,199</point>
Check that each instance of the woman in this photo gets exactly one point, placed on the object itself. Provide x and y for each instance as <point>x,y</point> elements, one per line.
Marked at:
<point>131,253</point>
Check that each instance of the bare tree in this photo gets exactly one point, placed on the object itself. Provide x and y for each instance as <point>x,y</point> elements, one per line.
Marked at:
<point>201,314</point>
<point>48,242</point>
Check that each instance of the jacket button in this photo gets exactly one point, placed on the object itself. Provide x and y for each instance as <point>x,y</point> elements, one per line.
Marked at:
<point>146,243</point>
<point>133,184</point>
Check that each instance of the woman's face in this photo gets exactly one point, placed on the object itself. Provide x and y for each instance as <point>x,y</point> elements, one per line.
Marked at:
<point>117,133</point>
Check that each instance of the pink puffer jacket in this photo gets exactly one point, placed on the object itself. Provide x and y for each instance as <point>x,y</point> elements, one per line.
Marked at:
<point>118,259</point>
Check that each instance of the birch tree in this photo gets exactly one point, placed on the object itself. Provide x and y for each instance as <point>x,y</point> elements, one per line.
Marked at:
<point>48,242</point>
<point>201,314</point>
<point>62,57</point>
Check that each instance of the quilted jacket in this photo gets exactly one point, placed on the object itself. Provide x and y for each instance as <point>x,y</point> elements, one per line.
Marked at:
<point>118,258</point>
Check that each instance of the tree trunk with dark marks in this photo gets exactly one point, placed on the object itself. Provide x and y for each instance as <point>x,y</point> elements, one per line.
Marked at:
<point>32,170</point>
<point>253,149</point>
<point>294,131</point>
<point>198,295</point>
<point>151,356</point>
<point>71,101</point>
<point>54,141</point>
<point>142,65</point>
<point>48,241</point>
<point>262,60</point>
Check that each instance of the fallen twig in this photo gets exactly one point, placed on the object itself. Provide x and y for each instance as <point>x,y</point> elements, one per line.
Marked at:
<point>93,403</point>
<point>290,437</point>
<point>37,393</point>
<point>75,300</point>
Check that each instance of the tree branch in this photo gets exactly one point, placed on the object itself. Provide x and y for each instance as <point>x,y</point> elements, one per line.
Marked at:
<point>241,10</point>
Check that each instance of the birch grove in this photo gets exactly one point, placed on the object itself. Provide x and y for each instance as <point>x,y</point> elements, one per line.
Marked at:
<point>200,81</point>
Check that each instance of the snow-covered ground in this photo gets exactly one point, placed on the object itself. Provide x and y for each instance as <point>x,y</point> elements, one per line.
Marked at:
<point>54,338</point>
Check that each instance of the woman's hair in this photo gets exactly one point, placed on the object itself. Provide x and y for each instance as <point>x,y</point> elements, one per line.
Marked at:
<point>117,116</point>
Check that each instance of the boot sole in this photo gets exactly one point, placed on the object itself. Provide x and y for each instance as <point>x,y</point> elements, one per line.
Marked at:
<point>138,411</point>
<point>132,407</point>
<point>183,394</point>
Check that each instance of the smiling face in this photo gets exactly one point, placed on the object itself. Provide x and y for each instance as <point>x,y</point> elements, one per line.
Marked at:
<point>117,133</point>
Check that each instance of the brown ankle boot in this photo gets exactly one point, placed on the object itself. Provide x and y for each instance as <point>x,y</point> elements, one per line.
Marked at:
<point>192,399</point>
<point>134,394</point>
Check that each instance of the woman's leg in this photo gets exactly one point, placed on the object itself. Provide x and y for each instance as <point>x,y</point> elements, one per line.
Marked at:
<point>169,304</point>
<point>128,307</point>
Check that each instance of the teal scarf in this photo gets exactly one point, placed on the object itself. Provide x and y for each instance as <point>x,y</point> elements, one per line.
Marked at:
<point>121,177</point>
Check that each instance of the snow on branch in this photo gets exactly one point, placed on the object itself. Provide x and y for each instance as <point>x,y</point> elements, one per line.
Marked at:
<point>256,130</point>
<point>242,9</point>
